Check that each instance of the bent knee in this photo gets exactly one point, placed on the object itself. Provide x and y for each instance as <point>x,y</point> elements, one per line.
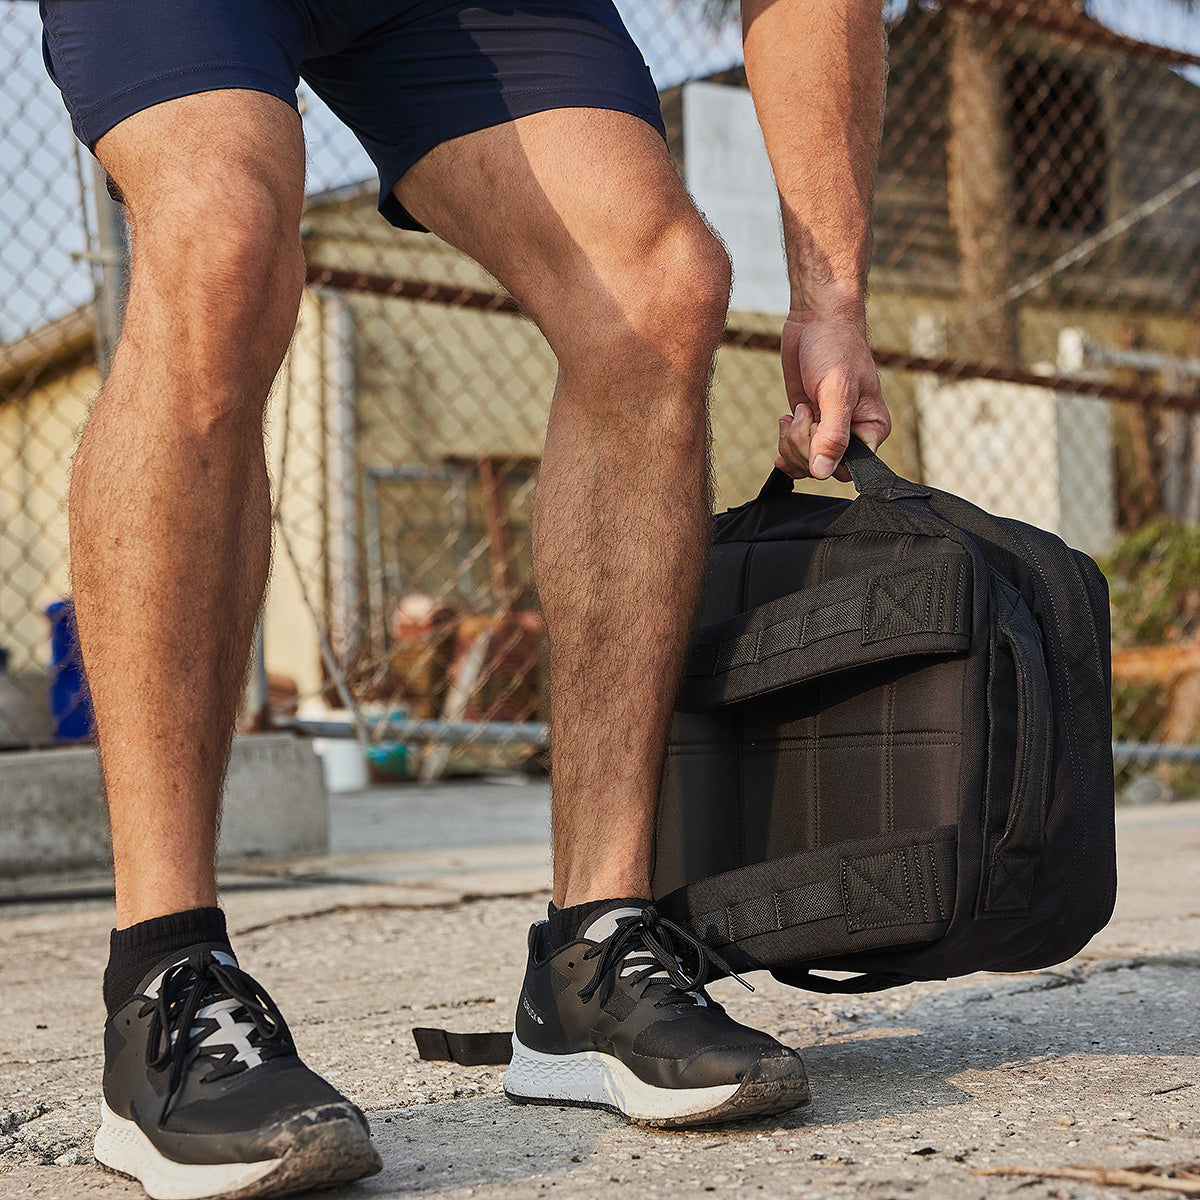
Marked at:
<point>216,284</point>
<point>682,291</point>
<point>228,245</point>
<point>701,278</point>
<point>665,302</point>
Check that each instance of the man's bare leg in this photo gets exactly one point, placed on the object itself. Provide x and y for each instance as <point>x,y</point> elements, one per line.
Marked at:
<point>170,540</point>
<point>603,248</point>
<point>579,214</point>
<point>169,510</point>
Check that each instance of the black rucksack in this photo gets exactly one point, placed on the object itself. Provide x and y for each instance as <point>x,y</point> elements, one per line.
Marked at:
<point>892,747</point>
<point>891,752</point>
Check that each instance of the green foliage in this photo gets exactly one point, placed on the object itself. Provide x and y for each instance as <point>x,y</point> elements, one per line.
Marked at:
<point>1154,582</point>
<point>1154,579</point>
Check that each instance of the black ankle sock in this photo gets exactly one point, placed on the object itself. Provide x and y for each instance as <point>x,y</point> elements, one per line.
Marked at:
<point>133,952</point>
<point>566,923</point>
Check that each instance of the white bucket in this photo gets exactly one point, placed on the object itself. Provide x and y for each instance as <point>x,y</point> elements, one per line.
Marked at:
<point>344,764</point>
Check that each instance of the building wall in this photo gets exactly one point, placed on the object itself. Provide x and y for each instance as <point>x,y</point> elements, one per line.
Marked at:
<point>37,440</point>
<point>431,383</point>
<point>295,429</point>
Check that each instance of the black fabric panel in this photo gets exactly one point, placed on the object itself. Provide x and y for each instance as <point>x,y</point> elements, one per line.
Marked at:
<point>699,822</point>
<point>784,785</point>
<point>809,766</point>
<point>852,789</point>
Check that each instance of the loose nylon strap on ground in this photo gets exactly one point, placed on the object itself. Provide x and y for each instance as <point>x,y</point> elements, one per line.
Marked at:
<point>467,1049</point>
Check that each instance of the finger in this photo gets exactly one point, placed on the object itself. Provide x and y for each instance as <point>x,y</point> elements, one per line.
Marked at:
<point>787,463</point>
<point>793,377</point>
<point>780,461</point>
<point>794,434</point>
<point>836,398</point>
<point>868,434</point>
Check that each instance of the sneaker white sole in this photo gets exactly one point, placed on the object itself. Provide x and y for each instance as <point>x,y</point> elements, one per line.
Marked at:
<point>602,1081</point>
<point>328,1153</point>
<point>122,1146</point>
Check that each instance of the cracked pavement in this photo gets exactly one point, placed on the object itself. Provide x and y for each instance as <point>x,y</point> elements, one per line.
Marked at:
<point>1093,1063</point>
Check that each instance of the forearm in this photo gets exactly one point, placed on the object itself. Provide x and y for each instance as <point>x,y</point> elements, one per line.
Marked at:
<point>816,69</point>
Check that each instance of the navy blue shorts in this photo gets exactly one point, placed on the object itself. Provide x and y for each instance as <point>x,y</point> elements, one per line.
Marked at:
<point>404,75</point>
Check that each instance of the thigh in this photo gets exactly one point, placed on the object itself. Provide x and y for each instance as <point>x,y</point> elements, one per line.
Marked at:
<point>578,212</point>
<point>428,71</point>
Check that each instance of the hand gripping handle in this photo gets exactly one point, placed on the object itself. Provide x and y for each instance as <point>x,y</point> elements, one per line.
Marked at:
<point>871,476</point>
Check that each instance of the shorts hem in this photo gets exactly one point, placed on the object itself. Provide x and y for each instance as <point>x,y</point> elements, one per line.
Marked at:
<point>525,104</point>
<point>92,123</point>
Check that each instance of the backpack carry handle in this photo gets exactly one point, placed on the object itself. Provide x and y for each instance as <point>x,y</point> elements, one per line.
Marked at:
<point>871,476</point>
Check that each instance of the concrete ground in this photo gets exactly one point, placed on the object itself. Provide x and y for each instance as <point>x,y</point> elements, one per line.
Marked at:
<point>917,1092</point>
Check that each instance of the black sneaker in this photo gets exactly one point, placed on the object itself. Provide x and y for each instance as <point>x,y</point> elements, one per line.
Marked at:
<point>205,1096</point>
<point>613,1021</point>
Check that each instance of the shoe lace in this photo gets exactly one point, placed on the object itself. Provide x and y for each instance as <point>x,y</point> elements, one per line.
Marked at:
<point>650,933</point>
<point>201,1007</point>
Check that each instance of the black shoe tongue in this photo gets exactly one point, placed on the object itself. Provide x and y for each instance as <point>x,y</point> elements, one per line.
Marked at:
<point>604,924</point>
<point>153,982</point>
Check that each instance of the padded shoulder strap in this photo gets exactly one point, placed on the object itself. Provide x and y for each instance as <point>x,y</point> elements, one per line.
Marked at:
<point>877,883</point>
<point>921,607</point>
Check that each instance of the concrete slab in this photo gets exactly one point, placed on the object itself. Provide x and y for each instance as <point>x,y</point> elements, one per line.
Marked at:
<point>916,1091</point>
<point>53,818</point>
<point>494,810</point>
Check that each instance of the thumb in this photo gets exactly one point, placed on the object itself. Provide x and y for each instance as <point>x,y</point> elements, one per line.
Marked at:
<point>867,432</point>
<point>831,435</point>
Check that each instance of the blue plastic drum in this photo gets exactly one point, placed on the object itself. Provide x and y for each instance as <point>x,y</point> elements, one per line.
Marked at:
<point>70,700</point>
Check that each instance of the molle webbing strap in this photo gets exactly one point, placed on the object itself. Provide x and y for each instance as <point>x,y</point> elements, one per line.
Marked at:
<point>909,609</point>
<point>897,885</point>
<point>468,1049</point>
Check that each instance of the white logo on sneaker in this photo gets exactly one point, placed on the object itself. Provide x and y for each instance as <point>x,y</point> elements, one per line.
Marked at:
<point>530,1009</point>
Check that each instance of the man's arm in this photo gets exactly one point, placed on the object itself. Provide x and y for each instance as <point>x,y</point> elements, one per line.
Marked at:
<point>816,70</point>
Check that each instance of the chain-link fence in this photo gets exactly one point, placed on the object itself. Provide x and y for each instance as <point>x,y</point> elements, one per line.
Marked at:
<point>1035,295</point>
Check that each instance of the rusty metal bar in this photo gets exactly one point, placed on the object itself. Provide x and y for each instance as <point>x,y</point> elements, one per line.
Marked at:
<point>1147,752</point>
<point>951,368</point>
<point>410,289</point>
<point>745,339</point>
<point>396,729</point>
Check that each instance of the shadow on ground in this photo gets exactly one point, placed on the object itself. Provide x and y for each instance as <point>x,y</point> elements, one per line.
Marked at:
<point>1046,1044</point>
<point>963,1045</point>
